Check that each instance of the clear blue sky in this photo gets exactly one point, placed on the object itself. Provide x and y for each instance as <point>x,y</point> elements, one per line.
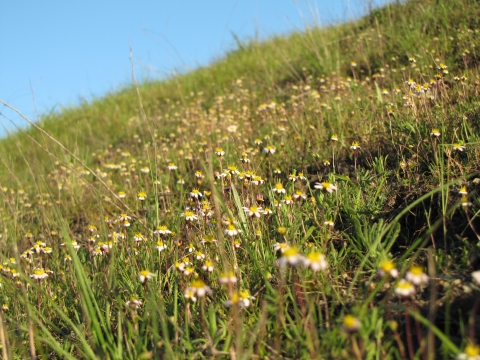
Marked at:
<point>60,52</point>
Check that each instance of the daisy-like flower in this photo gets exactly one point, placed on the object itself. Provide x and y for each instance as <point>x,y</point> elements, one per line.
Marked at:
<point>142,195</point>
<point>253,211</point>
<point>299,194</point>
<point>190,294</point>
<point>290,256</point>
<point>329,223</point>
<point>124,217</point>
<point>288,200</point>
<point>97,251</point>
<point>180,181</point>
<point>160,246</point>
<point>232,128</point>
<point>416,276</point>
<point>257,180</point>
<point>14,273</point>
<point>267,211</point>
<point>134,302</point>
<point>292,177</point>
<point>233,170</point>
<point>239,298</point>
<point>5,307</point>
<point>258,142</point>
<point>387,267</point>
<point>199,255</point>
<point>198,288</point>
<point>458,147</point>
<point>435,132</point>
<point>231,230</point>
<point>269,150</point>
<point>463,190</point>
<point>189,216</point>
<point>279,189</point>
<point>228,221</point>
<point>465,202</point>
<point>326,162</point>
<point>219,152</point>
<point>138,237</point>
<point>196,194</point>
<point>171,166</point>
<point>277,171</point>
<point>39,274</point>
<point>471,352</point>
<point>244,159</point>
<point>67,258</point>
<point>404,289</point>
<point>208,266</point>
<point>145,275</point>
<point>355,145</point>
<point>350,324</point>
<point>316,261</point>
<point>145,170</point>
<point>47,250</point>
<point>121,194</point>
<point>237,243</point>
<point>162,230</point>
<point>325,186</point>
<point>189,270</point>
<point>334,137</point>
<point>227,277</point>
<point>190,248</point>
<point>208,239</point>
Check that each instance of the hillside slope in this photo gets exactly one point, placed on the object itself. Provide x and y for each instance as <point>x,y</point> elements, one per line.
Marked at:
<point>290,200</point>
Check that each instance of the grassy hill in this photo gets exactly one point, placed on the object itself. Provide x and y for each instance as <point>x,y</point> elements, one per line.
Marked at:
<point>311,196</point>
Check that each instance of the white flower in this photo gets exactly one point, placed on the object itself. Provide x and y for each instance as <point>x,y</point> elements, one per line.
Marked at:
<point>387,267</point>
<point>290,256</point>
<point>416,276</point>
<point>189,216</point>
<point>316,261</point>
<point>404,288</point>
<point>231,230</point>
<point>253,211</point>
<point>145,275</point>
<point>198,288</point>
<point>39,274</point>
<point>227,278</point>
<point>326,186</point>
<point>134,303</point>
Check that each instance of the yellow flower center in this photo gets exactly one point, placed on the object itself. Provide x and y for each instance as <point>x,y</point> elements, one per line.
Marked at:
<point>416,270</point>
<point>472,351</point>
<point>387,265</point>
<point>39,272</point>
<point>314,256</point>
<point>291,251</point>
<point>349,321</point>
<point>197,284</point>
<point>404,285</point>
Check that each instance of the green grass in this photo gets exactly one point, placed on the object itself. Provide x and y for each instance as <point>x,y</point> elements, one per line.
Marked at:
<point>403,82</point>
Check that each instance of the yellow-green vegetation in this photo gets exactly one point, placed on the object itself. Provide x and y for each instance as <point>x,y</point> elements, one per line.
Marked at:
<point>313,196</point>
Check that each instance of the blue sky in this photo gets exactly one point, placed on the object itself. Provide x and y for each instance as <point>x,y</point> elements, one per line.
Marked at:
<point>59,52</point>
